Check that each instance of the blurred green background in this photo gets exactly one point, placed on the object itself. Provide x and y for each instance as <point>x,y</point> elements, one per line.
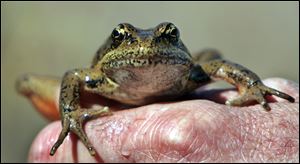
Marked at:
<point>52,37</point>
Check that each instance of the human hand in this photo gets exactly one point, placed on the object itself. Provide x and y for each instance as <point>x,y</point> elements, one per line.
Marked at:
<point>196,130</point>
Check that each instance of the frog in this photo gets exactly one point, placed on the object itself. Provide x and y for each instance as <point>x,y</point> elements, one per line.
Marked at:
<point>142,66</point>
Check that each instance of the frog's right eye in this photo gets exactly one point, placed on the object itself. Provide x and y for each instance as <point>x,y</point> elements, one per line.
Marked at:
<point>118,34</point>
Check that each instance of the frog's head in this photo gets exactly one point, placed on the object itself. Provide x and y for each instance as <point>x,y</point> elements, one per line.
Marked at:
<point>159,44</point>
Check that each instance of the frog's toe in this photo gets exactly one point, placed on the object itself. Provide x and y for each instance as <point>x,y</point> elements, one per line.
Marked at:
<point>96,112</point>
<point>64,132</point>
<point>277,93</point>
<point>263,102</point>
<point>256,92</point>
<point>238,101</point>
<point>248,96</point>
<point>83,137</point>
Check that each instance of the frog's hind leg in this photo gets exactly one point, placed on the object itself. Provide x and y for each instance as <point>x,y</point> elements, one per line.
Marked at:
<point>42,92</point>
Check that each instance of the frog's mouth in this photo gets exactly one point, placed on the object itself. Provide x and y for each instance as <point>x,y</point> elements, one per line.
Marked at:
<point>146,57</point>
<point>145,62</point>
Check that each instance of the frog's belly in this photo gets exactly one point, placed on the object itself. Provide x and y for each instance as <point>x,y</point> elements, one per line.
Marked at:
<point>145,85</point>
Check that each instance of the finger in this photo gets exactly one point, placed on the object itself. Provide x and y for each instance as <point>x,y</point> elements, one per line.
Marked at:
<point>189,131</point>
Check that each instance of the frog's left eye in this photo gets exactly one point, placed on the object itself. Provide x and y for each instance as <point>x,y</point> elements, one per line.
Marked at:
<point>171,32</point>
<point>118,34</point>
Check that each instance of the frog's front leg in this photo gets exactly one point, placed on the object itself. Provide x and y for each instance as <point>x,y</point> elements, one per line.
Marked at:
<point>249,85</point>
<point>69,102</point>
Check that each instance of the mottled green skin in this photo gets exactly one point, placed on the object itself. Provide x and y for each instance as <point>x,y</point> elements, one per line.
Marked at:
<point>138,67</point>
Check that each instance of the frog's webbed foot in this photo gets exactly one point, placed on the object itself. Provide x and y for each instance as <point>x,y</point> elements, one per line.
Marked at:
<point>73,122</point>
<point>69,103</point>
<point>257,91</point>
<point>248,83</point>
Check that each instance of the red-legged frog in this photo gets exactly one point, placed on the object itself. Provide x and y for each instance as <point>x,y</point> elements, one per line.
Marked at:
<point>137,67</point>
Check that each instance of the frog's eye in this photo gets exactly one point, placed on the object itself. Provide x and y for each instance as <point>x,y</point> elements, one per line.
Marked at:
<point>118,34</point>
<point>171,32</point>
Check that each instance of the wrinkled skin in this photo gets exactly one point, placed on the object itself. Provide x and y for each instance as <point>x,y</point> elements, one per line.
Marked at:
<point>138,67</point>
<point>196,130</point>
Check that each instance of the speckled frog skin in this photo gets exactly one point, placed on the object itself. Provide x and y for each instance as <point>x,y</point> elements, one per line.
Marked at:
<point>138,67</point>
